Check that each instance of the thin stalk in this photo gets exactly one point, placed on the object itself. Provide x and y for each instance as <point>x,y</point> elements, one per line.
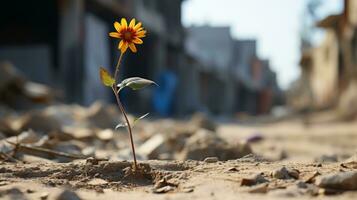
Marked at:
<point>117,67</point>
<point>120,105</point>
<point>129,126</point>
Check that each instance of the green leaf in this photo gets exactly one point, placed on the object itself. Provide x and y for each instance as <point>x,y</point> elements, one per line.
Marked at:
<point>135,83</point>
<point>140,118</point>
<point>136,120</point>
<point>105,77</point>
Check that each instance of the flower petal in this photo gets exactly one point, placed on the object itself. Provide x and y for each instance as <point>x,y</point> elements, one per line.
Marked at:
<point>114,34</point>
<point>137,26</point>
<point>137,41</point>
<point>121,43</point>
<point>132,47</point>
<point>124,47</point>
<point>132,23</point>
<point>124,24</point>
<point>117,26</point>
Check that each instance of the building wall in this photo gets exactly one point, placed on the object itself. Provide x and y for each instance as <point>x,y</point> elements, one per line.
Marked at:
<point>324,77</point>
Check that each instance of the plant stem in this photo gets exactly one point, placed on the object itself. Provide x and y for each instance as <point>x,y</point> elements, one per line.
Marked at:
<point>117,67</point>
<point>120,105</point>
<point>129,126</point>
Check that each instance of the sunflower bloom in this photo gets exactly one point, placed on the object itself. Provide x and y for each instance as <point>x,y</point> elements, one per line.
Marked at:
<point>129,34</point>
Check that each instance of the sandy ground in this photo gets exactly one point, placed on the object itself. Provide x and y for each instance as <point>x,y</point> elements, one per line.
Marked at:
<point>319,148</point>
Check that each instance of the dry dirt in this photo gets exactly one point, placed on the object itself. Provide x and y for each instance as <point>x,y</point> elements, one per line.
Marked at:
<point>312,151</point>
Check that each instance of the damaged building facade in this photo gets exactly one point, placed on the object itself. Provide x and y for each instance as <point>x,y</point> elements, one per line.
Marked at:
<point>231,77</point>
<point>329,70</point>
<point>63,43</point>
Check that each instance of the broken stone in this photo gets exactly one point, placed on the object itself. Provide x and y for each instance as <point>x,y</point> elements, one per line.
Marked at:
<point>153,147</point>
<point>233,169</point>
<point>350,162</point>
<point>37,93</point>
<point>13,193</point>
<point>164,189</point>
<point>39,122</point>
<point>339,181</point>
<point>97,181</point>
<point>204,122</point>
<point>105,135</point>
<point>261,188</point>
<point>284,173</point>
<point>44,195</point>
<point>205,143</point>
<point>26,137</point>
<point>101,117</point>
<point>311,177</point>
<point>294,173</point>
<point>211,160</point>
<point>83,134</point>
<point>67,195</point>
<point>256,179</point>
<point>6,129</point>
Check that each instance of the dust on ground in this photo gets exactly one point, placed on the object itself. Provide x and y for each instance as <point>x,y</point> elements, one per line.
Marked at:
<point>284,159</point>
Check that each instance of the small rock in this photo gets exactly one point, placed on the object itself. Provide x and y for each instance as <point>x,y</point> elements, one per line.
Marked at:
<point>205,143</point>
<point>254,138</point>
<point>153,147</point>
<point>339,181</point>
<point>201,120</point>
<point>261,188</point>
<point>30,191</point>
<point>97,181</point>
<point>105,135</point>
<point>164,189</point>
<point>100,116</point>
<point>44,195</point>
<point>39,122</point>
<point>188,189</point>
<point>256,179</point>
<point>284,173</point>
<point>211,160</point>
<point>67,195</point>
<point>311,177</point>
<point>233,169</point>
<point>301,184</point>
<point>294,173</point>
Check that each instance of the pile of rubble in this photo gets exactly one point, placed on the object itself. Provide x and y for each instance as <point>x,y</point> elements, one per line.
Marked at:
<point>88,132</point>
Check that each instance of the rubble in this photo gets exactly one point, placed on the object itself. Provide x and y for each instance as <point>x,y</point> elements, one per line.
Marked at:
<point>256,179</point>
<point>67,195</point>
<point>199,120</point>
<point>339,181</point>
<point>19,93</point>
<point>284,173</point>
<point>205,143</point>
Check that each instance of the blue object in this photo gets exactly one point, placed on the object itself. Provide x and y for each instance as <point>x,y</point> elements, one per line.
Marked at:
<point>164,94</point>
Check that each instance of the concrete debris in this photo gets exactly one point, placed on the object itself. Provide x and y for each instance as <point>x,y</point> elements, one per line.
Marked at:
<point>284,173</point>
<point>67,195</point>
<point>211,160</point>
<point>205,143</point>
<point>153,147</point>
<point>202,121</point>
<point>256,179</point>
<point>339,181</point>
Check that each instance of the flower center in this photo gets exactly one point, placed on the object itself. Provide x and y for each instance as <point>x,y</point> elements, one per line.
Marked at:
<point>128,35</point>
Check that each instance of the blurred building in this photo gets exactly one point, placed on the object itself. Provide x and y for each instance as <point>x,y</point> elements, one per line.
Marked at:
<point>62,43</point>
<point>329,71</point>
<point>231,77</point>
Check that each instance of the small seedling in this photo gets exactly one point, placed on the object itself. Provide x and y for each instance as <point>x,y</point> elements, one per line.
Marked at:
<point>129,36</point>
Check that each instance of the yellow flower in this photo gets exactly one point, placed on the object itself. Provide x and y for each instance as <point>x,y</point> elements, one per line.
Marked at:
<point>129,35</point>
